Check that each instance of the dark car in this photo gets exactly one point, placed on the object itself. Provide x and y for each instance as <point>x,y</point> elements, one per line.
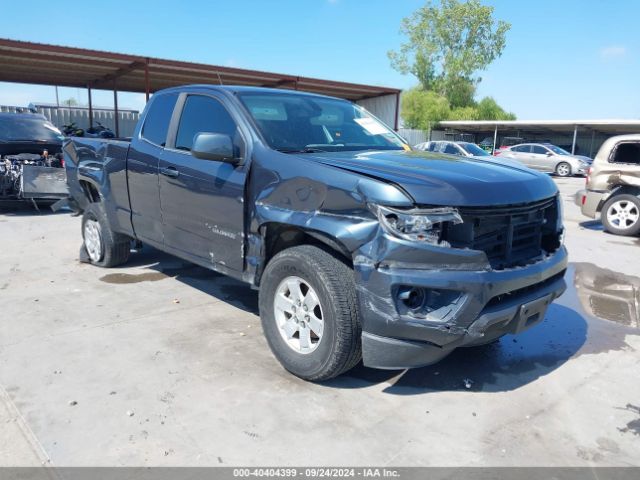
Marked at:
<point>30,159</point>
<point>360,247</point>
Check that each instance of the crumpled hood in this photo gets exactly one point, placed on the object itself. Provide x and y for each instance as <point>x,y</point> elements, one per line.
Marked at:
<point>437,179</point>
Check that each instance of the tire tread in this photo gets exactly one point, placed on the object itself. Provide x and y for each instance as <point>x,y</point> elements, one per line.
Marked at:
<point>117,247</point>
<point>339,280</point>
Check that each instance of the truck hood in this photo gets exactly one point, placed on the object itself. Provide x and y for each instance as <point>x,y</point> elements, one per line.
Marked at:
<point>437,179</point>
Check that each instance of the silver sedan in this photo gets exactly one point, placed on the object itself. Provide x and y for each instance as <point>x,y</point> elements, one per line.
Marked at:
<point>549,158</point>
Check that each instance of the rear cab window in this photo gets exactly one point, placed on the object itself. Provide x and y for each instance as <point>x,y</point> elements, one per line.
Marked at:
<point>158,117</point>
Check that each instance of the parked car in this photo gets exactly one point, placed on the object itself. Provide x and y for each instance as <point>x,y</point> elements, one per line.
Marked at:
<point>549,158</point>
<point>462,149</point>
<point>30,159</point>
<point>359,246</point>
<point>613,186</point>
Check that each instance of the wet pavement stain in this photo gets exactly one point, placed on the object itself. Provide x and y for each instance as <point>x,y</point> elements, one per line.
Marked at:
<point>125,278</point>
<point>190,271</point>
<point>608,295</point>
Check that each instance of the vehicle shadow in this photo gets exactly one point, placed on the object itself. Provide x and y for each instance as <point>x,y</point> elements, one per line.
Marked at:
<point>24,209</point>
<point>217,285</point>
<point>510,363</point>
<point>592,225</point>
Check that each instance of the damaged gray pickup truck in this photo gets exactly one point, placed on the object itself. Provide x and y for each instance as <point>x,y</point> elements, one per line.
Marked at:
<point>360,247</point>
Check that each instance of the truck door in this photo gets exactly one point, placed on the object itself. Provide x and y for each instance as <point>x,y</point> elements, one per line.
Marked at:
<point>202,200</point>
<point>142,168</point>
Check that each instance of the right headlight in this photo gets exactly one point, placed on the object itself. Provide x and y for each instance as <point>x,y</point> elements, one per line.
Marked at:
<point>417,224</point>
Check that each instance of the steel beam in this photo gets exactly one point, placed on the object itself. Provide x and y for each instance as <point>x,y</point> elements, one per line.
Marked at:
<point>397,115</point>
<point>115,107</point>
<point>495,139</point>
<point>106,79</point>
<point>90,106</point>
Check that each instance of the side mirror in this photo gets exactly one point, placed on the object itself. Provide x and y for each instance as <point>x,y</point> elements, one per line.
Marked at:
<point>214,146</point>
<point>549,154</point>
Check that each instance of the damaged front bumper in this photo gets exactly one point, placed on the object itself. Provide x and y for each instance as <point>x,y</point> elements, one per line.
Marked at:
<point>460,300</point>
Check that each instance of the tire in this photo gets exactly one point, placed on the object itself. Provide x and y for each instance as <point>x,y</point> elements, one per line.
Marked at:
<point>104,247</point>
<point>621,215</point>
<point>320,276</point>
<point>563,169</point>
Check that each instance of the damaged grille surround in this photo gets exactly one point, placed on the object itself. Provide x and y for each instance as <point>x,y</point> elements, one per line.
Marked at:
<point>510,236</point>
<point>404,287</point>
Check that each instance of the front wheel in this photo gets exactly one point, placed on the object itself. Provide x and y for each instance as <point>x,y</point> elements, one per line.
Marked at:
<point>104,247</point>
<point>309,314</point>
<point>621,215</point>
<point>563,169</point>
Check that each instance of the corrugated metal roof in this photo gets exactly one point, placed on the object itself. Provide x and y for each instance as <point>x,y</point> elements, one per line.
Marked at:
<point>45,64</point>
<point>604,126</point>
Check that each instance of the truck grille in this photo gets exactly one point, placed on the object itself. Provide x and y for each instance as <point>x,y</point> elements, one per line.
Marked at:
<point>509,235</point>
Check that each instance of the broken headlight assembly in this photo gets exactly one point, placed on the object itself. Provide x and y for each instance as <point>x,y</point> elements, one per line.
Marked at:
<point>417,224</point>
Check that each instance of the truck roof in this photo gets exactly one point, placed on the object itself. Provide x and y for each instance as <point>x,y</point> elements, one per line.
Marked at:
<point>38,116</point>
<point>241,89</point>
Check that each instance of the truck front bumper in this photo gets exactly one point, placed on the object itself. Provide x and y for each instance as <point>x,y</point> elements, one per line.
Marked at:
<point>480,305</point>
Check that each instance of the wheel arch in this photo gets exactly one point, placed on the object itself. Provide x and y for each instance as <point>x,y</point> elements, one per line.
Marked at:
<point>90,189</point>
<point>277,237</point>
<point>619,190</point>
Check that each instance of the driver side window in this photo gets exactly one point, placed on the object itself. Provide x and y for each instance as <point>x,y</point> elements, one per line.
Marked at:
<point>203,114</point>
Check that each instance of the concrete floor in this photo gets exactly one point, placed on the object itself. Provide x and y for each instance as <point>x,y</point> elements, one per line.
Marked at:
<point>162,363</point>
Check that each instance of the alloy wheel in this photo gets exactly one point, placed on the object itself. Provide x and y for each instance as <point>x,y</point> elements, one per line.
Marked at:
<point>93,240</point>
<point>623,214</point>
<point>298,315</point>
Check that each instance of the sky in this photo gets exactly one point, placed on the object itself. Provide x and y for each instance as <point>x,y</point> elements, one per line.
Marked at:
<point>564,59</point>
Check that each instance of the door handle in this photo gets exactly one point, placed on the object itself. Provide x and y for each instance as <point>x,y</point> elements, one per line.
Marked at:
<point>170,172</point>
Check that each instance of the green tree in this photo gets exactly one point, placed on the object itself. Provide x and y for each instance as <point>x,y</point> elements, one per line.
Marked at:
<point>488,109</point>
<point>421,108</point>
<point>70,102</point>
<point>448,44</point>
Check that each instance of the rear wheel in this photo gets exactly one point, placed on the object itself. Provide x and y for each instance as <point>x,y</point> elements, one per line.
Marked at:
<point>563,169</point>
<point>309,313</point>
<point>621,215</point>
<point>104,247</point>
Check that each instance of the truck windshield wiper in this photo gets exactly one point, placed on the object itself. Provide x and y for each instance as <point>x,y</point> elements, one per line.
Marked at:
<point>300,150</point>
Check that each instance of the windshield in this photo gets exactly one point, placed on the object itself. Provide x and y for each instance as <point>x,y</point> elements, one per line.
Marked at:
<point>25,127</point>
<point>473,149</point>
<point>301,123</point>
<point>557,150</point>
